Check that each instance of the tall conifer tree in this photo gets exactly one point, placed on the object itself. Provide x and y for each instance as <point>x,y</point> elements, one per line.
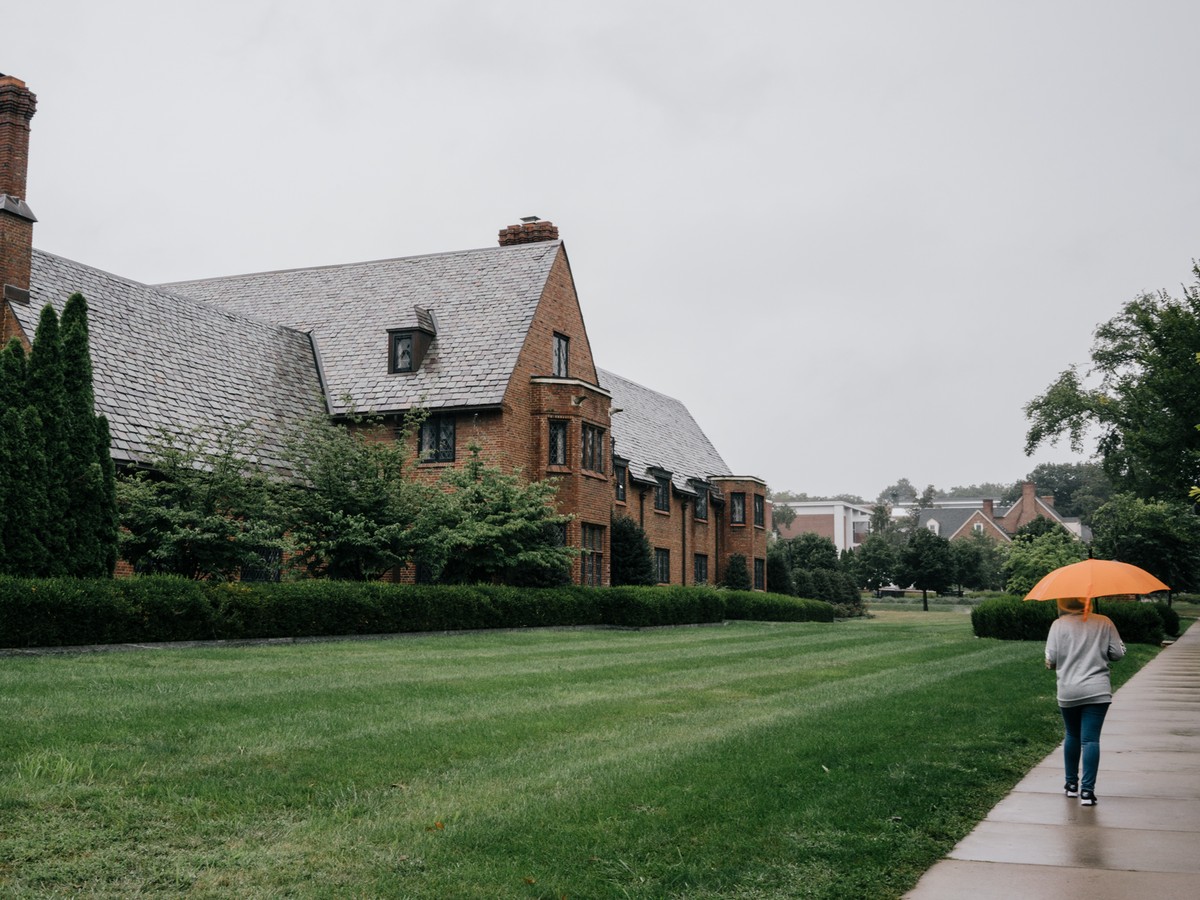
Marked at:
<point>46,393</point>
<point>86,468</point>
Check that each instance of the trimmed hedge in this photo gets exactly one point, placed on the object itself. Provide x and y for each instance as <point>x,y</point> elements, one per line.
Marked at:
<point>1013,619</point>
<point>73,612</point>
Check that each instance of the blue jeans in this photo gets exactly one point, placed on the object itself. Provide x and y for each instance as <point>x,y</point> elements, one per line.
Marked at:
<point>1083,724</point>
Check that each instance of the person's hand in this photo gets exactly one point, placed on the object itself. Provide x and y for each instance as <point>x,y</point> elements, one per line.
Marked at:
<point>1050,665</point>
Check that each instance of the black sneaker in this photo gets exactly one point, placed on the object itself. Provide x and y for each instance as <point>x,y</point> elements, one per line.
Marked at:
<point>1087,798</point>
<point>1071,788</point>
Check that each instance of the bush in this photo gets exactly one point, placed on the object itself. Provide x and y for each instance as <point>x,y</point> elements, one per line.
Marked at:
<point>1170,619</point>
<point>75,612</point>
<point>759,607</point>
<point>1013,619</point>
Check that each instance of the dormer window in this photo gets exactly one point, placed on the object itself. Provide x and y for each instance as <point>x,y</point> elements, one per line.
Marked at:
<point>402,351</point>
<point>562,355</point>
<point>407,346</point>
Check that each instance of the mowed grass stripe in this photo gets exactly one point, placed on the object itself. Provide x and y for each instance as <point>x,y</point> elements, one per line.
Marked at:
<point>691,762</point>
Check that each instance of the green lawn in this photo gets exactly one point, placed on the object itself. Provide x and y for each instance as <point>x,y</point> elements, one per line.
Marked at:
<point>745,760</point>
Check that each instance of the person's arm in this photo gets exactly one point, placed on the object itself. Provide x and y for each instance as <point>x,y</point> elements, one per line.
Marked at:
<point>1052,647</point>
<point>1116,646</point>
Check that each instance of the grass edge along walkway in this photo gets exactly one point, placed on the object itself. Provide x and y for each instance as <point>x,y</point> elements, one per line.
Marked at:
<point>752,760</point>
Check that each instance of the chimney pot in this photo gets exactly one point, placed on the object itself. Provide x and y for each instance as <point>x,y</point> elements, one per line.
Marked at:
<point>532,230</point>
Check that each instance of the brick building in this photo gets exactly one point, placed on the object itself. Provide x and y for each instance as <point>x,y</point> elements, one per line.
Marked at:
<point>491,342</point>
<point>962,518</point>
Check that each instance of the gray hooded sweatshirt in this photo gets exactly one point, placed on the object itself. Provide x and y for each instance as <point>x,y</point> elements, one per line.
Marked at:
<point>1079,651</point>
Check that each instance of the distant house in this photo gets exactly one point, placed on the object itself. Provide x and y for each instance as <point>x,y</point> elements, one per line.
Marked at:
<point>953,519</point>
<point>491,342</point>
<point>846,524</point>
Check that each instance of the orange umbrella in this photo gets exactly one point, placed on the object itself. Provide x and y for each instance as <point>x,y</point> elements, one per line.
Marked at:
<point>1095,578</point>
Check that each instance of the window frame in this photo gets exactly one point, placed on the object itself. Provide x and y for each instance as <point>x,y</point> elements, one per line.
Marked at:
<point>760,574</point>
<point>591,447</point>
<point>591,563</point>
<point>556,427</point>
<point>561,356</point>
<point>435,427</point>
<point>662,565</point>
<point>662,493</point>
<point>700,507</point>
<point>760,511</point>
<point>394,367</point>
<point>737,508</point>
<point>620,474</point>
<point>700,568</point>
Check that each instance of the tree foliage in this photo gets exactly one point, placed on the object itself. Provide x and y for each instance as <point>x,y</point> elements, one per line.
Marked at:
<point>978,562</point>
<point>353,510</point>
<point>493,527</point>
<point>57,481</point>
<point>1079,489</point>
<point>1145,403</point>
<point>926,563</point>
<point>202,511</point>
<point>1162,537</point>
<point>737,575</point>
<point>812,551</point>
<point>632,561</point>
<point>1032,556</point>
<point>876,562</point>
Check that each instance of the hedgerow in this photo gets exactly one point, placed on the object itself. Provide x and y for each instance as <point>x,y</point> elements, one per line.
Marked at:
<point>1013,619</point>
<point>75,612</point>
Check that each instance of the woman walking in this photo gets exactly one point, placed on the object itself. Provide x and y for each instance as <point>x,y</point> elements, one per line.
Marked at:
<point>1079,649</point>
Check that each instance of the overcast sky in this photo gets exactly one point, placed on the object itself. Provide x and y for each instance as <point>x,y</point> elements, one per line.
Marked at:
<point>854,238</point>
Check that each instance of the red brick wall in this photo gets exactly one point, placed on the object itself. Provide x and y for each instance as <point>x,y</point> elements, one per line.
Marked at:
<point>749,539</point>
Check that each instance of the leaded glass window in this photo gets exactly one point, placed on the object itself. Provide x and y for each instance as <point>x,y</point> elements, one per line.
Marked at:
<point>562,355</point>
<point>558,443</point>
<point>619,482</point>
<point>737,508</point>
<point>593,448</point>
<point>760,574</point>
<point>702,504</point>
<point>662,493</point>
<point>437,439</point>
<point>662,564</point>
<point>700,573</point>
<point>759,511</point>
<point>592,558</point>
<point>402,353</point>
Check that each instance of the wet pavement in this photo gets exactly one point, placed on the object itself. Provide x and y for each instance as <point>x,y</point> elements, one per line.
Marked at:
<point>1142,839</point>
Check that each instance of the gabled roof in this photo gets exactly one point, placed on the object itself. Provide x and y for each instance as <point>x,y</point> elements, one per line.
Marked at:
<point>483,302</point>
<point>163,361</point>
<point>654,431</point>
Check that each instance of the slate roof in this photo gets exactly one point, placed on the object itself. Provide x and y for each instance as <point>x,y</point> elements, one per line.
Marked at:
<point>949,519</point>
<point>163,361</point>
<point>653,430</point>
<point>483,302</point>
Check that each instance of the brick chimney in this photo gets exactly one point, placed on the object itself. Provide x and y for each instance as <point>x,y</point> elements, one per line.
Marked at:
<point>531,230</point>
<point>17,105</point>
<point>989,508</point>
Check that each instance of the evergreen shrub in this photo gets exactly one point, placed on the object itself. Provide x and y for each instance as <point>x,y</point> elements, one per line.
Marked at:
<point>1014,619</point>
<point>1170,619</point>
<point>77,612</point>
<point>759,607</point>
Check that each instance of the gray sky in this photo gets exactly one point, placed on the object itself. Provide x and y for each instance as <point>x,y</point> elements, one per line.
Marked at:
<point>855,238</point>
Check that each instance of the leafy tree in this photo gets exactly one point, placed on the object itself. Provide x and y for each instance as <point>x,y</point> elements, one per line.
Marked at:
<point>925,501</point>
<point>737,575</point>
<point>900,492</point>
<point>987,489</point>
<point>1146,401</point>
<point>822,584</point>
<point>493,528</point>
<point>202,511</point>
<point>1162,537</point>
<point>353,512</point>
<point>978,562</point>
<point>632,561</point>
<point>1030,557</point>
<point>781,517</point>
<point>926,563</point>
<point>1039,526</point>
<point>876,562</point>
<point>87,468</point>
<point>779,570</point>
<point>812,551</point>
<point>1079,489</point>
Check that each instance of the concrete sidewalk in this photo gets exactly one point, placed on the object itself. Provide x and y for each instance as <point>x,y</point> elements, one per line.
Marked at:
<point>1142,839</point>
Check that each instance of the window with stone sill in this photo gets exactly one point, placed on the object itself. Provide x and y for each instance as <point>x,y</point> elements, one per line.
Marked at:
<point>737,508</point>
<point>662,493</point>
<point>436,441</point>
<point>662,565</point>
<point>562,355</point>
<point>558,443</point>
<point>592,558</point>
<point>759,511</point>
<point>593,448</point>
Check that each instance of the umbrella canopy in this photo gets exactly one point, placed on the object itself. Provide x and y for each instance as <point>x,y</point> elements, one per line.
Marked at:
<point>1095,578</point>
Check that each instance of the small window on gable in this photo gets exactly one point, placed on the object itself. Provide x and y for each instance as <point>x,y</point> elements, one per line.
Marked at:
<point>562,355</point>
<point>402,352</point>
<point>978,527</point>
<point>933,526</point>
